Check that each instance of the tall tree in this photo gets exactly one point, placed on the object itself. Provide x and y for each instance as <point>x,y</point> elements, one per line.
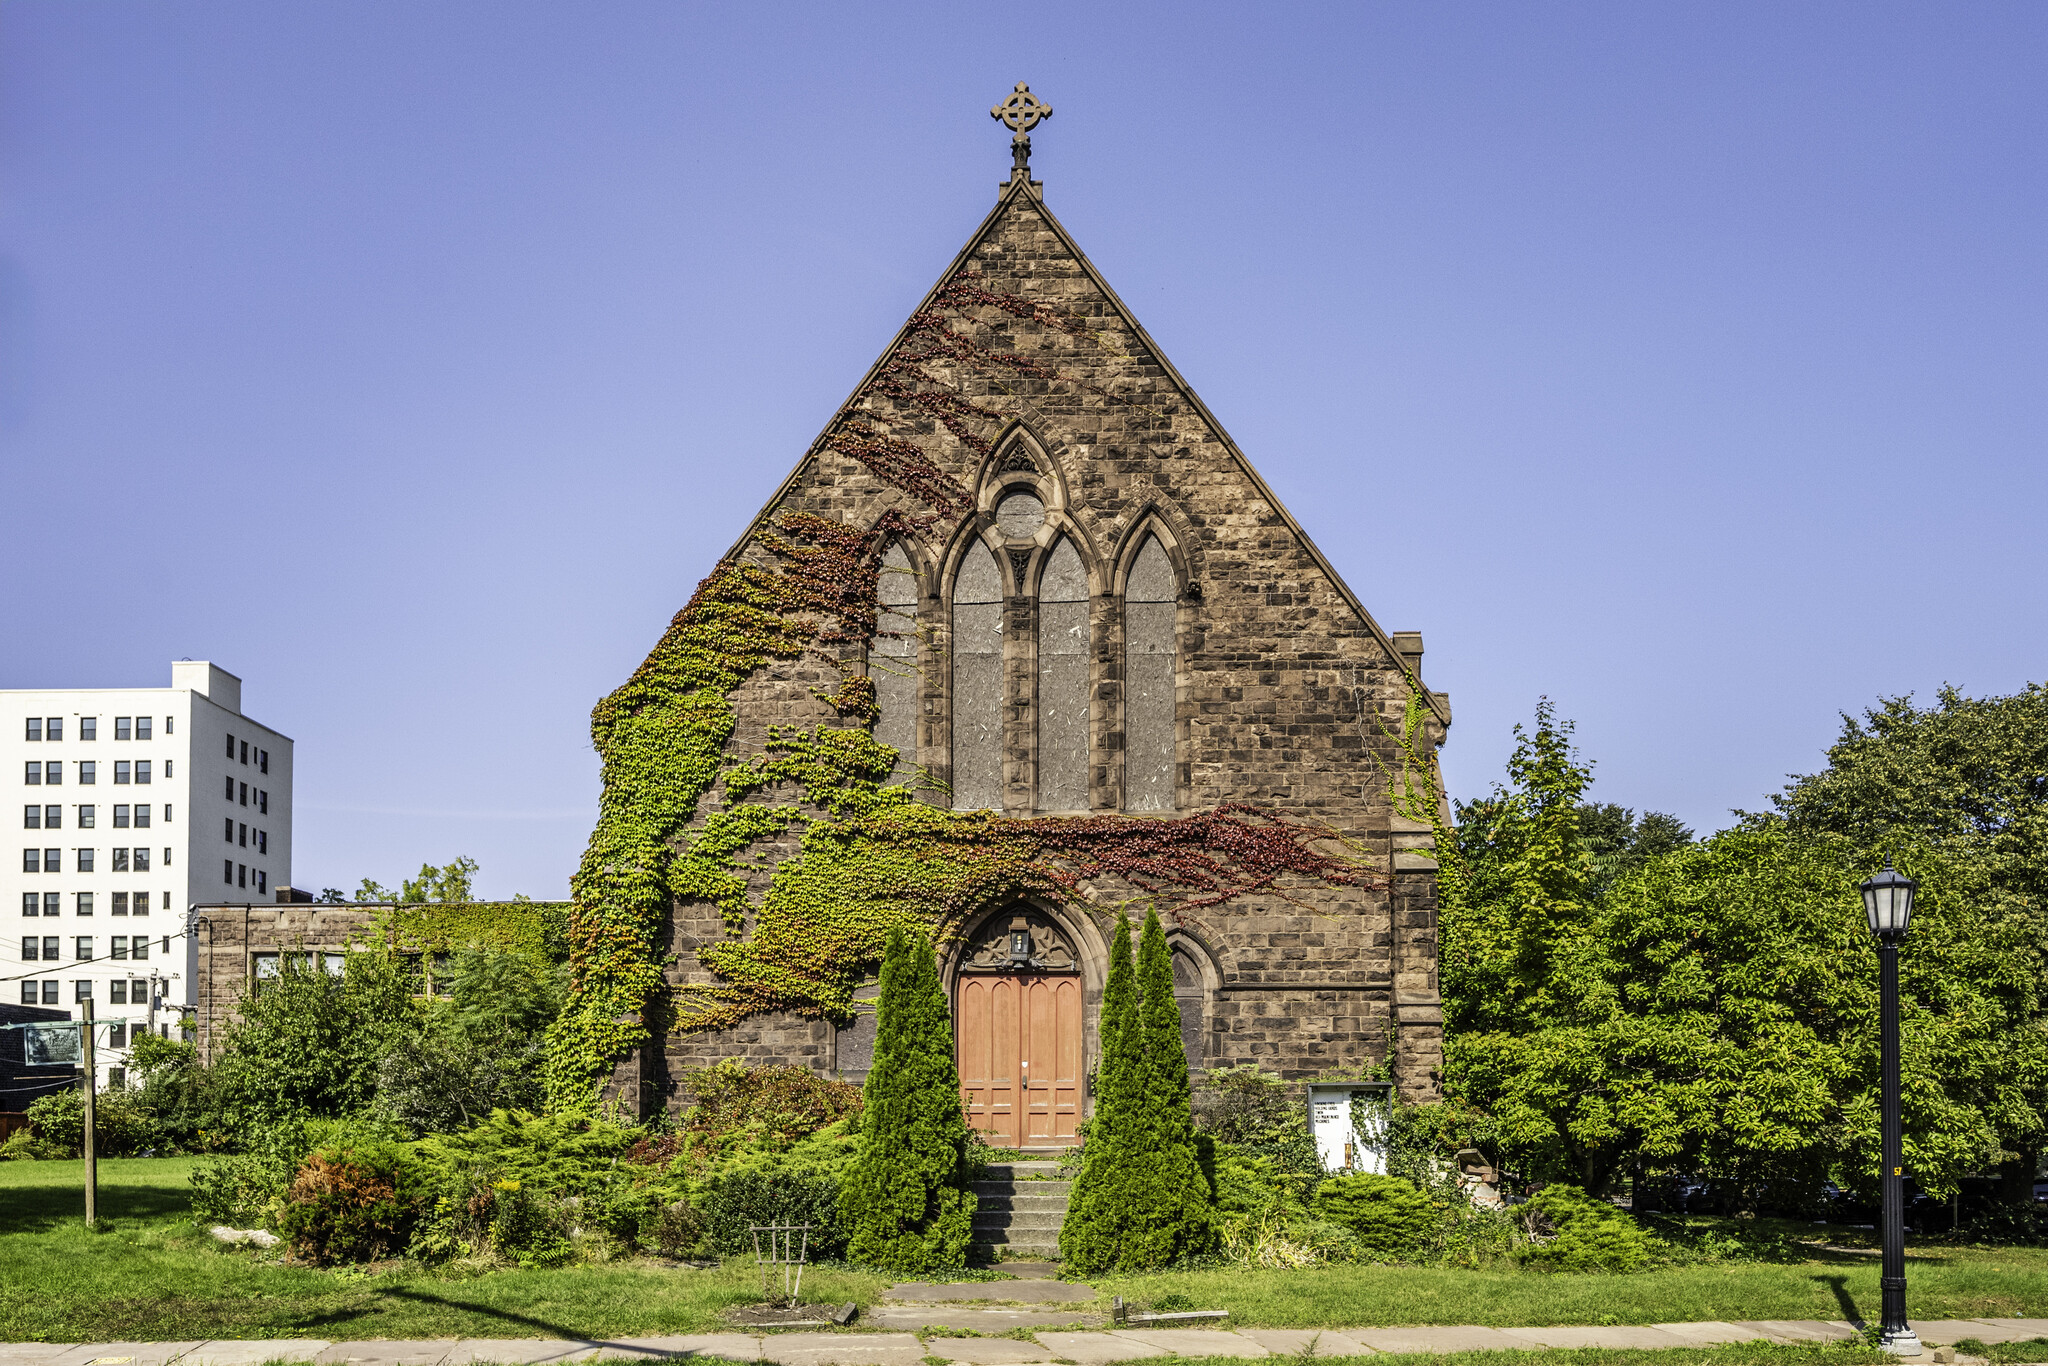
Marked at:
<point>1142,1201</point>
<point>905,1205</point>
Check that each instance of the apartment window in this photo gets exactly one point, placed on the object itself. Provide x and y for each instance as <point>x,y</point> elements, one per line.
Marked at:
<point>28,993</point>
<point>167,863</point>
<point>263,802</point>
<point>121,902</point>
<point>121,767</point>
<point>231,749</point>
<point>90,773</point>
<point>32,817</point>
<point>84,902</point>
<point>81,991</point>
<point>31,862</point>
<point>231,789</point>
<point>52,948</point>
<point>166,945</point>
<point>167,770</point>
<point>49,993</point>
<point>85,817</point>
<point>53,817</point>
<point>142,728</point>
<point>31,948</point>
<point>123,730</point>
<point>81,948</point>
<point>117,995</point>
<point>227,871</point>
<point>31,904</point>
<point>35,727</point>
<point>53,728</point>
<point>52,904</point>
<point>141,771</point>
<point>244,841</point>
<point>167,805</point>
<point>142,817</point>
<point>141,858</point>
<point>242,875</point>
<point>245,751</point>
<point>169,725</point>
<point>88,728</point>
<point>120,817</point>
<point>142,902</point>
<point>141,942</point>
<point>53,774</point>
<point>262,841</point>
<point>228,832</point>
<point>34,776</point>
<point>262,881</point>
<point>117,1032</point>
<point>84,860</point>
<point>120,947</point>
<point>120,860</point>
<point>53,860</point>
<point>117,1077</point>
<point>245,794</point>
<point>263,761</point>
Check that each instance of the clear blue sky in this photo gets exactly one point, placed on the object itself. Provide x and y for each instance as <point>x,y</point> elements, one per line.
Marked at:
<point>1682,362</point>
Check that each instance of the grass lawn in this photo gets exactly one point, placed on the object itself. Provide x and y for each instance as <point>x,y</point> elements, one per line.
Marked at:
<point>148,1274</point>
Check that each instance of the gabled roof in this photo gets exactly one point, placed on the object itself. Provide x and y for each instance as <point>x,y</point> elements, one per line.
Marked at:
<point>1028,194</point>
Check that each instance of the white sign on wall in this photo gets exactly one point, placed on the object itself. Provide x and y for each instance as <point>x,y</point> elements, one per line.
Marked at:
<point>1348,1138</point>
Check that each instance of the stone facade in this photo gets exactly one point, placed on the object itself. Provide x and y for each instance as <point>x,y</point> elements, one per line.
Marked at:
<point>1283,690</point>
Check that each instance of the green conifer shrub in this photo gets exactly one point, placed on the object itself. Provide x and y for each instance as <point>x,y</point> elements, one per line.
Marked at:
<point>1389,1217</point>
<point>905,1205</point>
<point>1591,1235</point>
<point>1142,1200</point>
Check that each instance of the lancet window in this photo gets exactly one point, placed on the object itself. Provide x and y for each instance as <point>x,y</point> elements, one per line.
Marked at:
<point>892,662</point>
<point>977,681</point>
<point>1149,730</point>
<point>1063,681</point>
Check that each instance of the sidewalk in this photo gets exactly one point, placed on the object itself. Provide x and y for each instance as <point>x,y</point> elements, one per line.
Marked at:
<point>856,1348</point>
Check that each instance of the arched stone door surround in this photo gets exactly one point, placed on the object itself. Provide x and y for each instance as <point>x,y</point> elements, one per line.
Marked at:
<point>1025,981</point>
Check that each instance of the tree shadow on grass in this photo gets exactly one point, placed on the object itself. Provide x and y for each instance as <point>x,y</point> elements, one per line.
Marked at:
<point>536,1327</point>
<point>37,1209</point>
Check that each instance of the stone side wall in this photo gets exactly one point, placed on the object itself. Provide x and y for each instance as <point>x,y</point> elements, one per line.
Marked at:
<point>1284,693</point>
<point>227,936</point>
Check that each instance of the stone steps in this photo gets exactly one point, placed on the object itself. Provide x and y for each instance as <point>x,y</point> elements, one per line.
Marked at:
<point>1020,1206</point>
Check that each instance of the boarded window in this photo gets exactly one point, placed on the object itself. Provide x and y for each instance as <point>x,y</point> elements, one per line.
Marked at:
<point>1188,998</point>
<point>892,662</point>
<point>1063,682</point>
<point>1149,596</point>
<point>978,682</point>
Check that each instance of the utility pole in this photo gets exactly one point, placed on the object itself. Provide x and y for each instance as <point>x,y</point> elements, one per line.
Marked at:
<point>92,1161</point>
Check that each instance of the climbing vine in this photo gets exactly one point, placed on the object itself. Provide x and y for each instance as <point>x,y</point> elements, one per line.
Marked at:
<point>870,857</point>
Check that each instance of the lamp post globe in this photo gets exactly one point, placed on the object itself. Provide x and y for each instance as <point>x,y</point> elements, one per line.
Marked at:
<point>1888,907</point>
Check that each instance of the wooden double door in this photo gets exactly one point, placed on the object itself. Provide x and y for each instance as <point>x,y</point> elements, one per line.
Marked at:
<point>1019,1039</point>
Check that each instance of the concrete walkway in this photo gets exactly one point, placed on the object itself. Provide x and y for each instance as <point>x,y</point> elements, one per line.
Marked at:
<point>858,1348</point>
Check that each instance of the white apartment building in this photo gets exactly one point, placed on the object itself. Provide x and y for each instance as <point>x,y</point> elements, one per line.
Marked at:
<point>137,803</point>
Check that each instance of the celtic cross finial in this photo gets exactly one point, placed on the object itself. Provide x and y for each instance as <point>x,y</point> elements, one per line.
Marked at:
<point>1022,111</point>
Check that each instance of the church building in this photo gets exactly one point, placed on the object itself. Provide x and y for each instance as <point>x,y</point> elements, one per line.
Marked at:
<point>1023,645</point>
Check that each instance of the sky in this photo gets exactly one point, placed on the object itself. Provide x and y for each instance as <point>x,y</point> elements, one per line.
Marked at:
<point>1686,364</point>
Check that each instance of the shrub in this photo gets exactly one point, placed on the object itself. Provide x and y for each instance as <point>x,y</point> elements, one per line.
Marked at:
<point>1388,1216</point>
<point>352,1204</point>
<point>905,1203</point>
<point>674,1229</point>
<point>779,1104</point>
<point>1587,1234</point>
<point>740,1199</point>
<point>121,1125</point>
<point>527,1228</point>
<point>552,1153</point>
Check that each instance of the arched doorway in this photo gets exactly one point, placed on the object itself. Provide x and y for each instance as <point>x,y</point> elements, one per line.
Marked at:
<point>1017,1024</point>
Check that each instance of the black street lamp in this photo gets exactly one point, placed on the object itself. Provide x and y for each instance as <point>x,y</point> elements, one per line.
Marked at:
<point>1888,905</point>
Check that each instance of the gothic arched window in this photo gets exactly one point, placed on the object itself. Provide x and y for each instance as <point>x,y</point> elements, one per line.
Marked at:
<point>1063,681</point>
<point>1149,595</point>
<point>977,681</point>
<point>892,662</point>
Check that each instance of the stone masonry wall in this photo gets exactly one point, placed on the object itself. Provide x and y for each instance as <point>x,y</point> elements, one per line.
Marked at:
<point>1284,691</point>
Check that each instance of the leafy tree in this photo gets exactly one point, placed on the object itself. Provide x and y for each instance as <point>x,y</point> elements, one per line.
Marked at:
<point>905,1205</point>
<point>1967,776</point>
<point>178,1090</point>
<point>1142,1200</point>
<point>1715,1011</point>
<point>482,1047</point>
<point>308,1043</point>
<point>451,883</point>
<point>1616,841</point>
